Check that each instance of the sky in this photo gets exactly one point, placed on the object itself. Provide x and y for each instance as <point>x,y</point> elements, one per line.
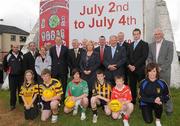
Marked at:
<point>24,14</point>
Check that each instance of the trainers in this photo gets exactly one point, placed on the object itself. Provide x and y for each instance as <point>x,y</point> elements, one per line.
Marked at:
<point>94,118</point>
<point>54,118</point>
<point>75,111</point>
<point>125,122</point>
<point>120,116</point>
<point>158,123</point>
<point>83,116</point>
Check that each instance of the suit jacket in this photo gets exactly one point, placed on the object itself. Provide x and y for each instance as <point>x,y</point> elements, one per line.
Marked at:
<point>119,59</point>
<point>91,64</point>
<point>97,49</point>
<point>59,64</point>
<point>74,62</point>
<point>164,59</point>
<point>29,61</point>
<point>138,56</point>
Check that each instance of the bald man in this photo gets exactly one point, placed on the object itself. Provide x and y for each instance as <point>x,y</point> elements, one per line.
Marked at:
<point>161,52</point>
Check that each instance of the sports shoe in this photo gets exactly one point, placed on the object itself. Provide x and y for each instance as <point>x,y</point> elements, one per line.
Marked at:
<point>75,111</point>
<point>158,123</point>
<point>94,118</point>
<point>83,116</point>
<point>54,118</point>
<point>125,122</point>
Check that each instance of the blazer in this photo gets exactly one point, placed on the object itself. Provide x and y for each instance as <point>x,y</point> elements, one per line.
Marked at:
<point>29,61</point>
<point>74,62</point>
<point>91,64</point>
<point>119,59</point>
<point>59,64</point>
<point>138,56</point>
<point>164,59</point>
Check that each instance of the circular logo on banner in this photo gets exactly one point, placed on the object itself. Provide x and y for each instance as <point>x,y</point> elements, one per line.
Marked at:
<point>54,21</point>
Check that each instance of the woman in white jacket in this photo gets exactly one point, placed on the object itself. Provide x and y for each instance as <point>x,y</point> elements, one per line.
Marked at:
<point>42,61</point>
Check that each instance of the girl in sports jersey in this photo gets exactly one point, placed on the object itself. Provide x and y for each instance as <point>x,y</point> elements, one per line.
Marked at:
<point>29,92</point>
<point>78,90</point>
<point>153,92</point>
<point>122,93</point>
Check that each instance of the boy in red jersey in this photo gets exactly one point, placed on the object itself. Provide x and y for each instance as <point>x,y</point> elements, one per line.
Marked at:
<point>122,93</point>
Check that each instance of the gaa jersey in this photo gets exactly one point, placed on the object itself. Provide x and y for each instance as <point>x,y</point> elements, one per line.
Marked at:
<point>54,86</point>
<point>76,90</point>
<point>103,90</point>
<point>28,91</point>
<point>123,95</point>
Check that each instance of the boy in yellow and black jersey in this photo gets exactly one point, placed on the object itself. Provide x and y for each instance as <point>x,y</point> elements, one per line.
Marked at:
<point>101,94</point>
<point>50,92</point>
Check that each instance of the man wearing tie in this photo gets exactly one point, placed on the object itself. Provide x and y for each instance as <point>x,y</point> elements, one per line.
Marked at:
<point>74,55</point>
<point>123,42</point>
<point>114,59</point>
<point>59,68</point>
<point>100,49</point>
<point>29,59</point>
<point>136,59</point>
<point>161,52</point>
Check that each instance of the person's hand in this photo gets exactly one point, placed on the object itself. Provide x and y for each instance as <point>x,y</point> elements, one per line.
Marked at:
<point>27,106</point>
<point>158,101</point>
<point>87,72</point>
<point>112,67</point>
<point>131,68</point>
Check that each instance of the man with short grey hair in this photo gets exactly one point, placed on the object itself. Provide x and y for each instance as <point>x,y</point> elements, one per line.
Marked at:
<point>161,52</point>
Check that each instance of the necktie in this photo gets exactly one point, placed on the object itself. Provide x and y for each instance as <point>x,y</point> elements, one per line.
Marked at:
<point>101,54</point>
<point>76,52</point>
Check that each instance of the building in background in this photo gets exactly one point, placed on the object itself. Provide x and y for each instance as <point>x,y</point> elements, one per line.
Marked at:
<point>10,35</point>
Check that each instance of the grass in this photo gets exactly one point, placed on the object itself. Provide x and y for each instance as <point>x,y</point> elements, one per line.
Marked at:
<point>135,120</point>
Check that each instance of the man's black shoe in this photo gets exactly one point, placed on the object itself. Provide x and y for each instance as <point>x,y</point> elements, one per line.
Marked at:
<point>12,108</point>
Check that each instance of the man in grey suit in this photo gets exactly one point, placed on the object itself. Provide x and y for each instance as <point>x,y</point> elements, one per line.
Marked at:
<point>161,52</point>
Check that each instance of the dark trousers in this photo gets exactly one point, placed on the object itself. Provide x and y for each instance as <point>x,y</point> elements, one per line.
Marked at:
<point>134,78</point>
<point>147,112</point>
<point>15,82</point>
<point>1,76</point>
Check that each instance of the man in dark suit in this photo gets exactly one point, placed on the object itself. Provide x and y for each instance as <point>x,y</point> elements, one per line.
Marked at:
<point>114,59</point>
<point>29,59</point>
<point>100,49</point>
<point>137,55</point>
<point>74,55</point>
<point>122,42</point>
<point>59,67</point>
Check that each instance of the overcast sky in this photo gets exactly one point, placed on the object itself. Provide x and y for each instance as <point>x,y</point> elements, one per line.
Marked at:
<point>24,14</point>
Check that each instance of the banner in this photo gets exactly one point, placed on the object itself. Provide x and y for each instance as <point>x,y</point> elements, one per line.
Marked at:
<point>92,18</point>
<point>89,19</point>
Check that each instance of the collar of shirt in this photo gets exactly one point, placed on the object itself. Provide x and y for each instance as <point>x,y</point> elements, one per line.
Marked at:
<point>121,43</point>
<point>33,53</point>
<point>58,46</point>
<point>159,43</point>
<point>16,55</point>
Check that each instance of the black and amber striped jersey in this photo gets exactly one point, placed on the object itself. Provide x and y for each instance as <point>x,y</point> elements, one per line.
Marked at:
<point>103,90</point>
<point>55,86</point>
<point>28,91</point>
